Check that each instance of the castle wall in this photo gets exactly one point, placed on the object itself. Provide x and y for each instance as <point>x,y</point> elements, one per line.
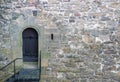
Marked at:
<point>86,45</point>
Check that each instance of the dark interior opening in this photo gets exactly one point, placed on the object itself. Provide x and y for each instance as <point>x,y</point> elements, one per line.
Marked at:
<point>52,36</point>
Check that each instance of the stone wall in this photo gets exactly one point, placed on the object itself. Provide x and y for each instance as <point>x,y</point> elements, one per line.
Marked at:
<point>89,37</point>
<point>91,52</point>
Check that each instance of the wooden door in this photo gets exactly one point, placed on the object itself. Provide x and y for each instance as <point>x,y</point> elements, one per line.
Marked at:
<point>30,45</point>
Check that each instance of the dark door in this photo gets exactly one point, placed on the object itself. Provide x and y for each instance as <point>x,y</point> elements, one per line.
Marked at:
<point>30,45</point>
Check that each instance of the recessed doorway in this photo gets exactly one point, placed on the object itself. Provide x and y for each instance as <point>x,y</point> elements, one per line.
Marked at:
<point>30,45</point>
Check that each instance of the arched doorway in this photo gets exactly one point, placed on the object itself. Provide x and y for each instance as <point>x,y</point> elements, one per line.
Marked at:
<point>30,45</point>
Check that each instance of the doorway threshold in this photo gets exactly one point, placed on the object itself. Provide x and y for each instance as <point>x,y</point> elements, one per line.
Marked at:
<point>30,65</point>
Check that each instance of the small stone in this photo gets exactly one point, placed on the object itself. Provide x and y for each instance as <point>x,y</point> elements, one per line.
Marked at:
<point>83,80</point>
<point>110,52</point>
<point>70,76</point>
<point>118,76</point>
<point>115,5</point>
<point>71,20</point>
<point>70,64</point>
<point>105,18</point>
<point>60,75</point>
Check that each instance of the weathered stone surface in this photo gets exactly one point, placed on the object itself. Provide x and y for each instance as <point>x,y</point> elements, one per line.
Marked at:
<point>86,37</point>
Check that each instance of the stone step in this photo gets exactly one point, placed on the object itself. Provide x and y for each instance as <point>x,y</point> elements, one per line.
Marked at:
<point>52,79</point>
<point>25,75</point>
<point>28,73</point>
<point>29,65</point>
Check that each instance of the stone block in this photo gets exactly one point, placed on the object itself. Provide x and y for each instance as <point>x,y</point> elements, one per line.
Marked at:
<point>70,64</point>
<point>105,18</point>
<point>70,76</point>
<point>115,5</point>
<point>110,51</point>
<point>83,80</point>
<point>84,8</point>
<point>95,66</point>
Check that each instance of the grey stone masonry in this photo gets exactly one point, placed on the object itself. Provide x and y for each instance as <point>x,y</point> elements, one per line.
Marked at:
<point>84,47</point>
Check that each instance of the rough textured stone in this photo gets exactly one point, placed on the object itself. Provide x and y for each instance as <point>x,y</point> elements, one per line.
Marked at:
<point>86,40</point>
